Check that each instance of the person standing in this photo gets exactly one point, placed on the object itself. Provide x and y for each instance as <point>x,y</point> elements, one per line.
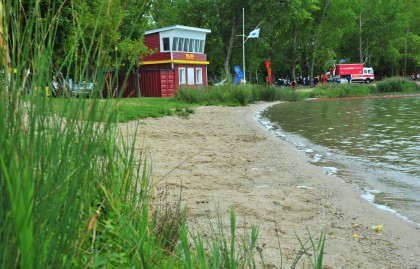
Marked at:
<point>280,82</point>
<point>293,84</point>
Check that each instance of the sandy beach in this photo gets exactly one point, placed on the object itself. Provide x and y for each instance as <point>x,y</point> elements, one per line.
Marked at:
<point>224,158</point>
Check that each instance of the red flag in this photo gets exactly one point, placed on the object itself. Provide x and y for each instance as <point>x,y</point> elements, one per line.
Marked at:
<point>268,65</point>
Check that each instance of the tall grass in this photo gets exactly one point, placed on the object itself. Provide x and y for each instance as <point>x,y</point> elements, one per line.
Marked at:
<point>231,94</point>
<point>73,195</point>
<point>313,249</point>
<point>225,94</point>
<point>235,95</point>
<point>332,90</point>
<point>74,192</point>
<point>397,84</point>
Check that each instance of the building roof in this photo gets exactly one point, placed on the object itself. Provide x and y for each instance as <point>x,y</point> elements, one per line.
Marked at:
<point>180,27</point>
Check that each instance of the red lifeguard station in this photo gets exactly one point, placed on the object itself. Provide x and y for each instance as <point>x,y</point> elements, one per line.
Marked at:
<point>179,60</point>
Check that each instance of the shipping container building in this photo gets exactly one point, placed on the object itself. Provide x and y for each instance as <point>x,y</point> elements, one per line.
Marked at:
<point>179,60</point>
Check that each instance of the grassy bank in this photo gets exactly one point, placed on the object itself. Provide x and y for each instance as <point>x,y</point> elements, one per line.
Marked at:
<point>235,95</point>
<point>397,84</point>
<point>184,102</point>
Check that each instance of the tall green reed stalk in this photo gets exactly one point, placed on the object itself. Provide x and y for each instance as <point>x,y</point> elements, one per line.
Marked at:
<point>313,249</point>
<point>69,188</point>
<point>227,248</point>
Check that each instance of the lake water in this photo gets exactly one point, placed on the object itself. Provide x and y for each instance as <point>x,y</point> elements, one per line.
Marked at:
<point>372,143</point>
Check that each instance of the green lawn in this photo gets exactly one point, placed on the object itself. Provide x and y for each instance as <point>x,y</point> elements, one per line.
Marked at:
<point>123,110</point>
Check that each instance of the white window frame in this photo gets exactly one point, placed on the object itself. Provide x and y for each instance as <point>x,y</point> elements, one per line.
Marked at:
<point>175,44</point>
<point>182,75</point>
<point>199,76</point>
<point>190,76</point>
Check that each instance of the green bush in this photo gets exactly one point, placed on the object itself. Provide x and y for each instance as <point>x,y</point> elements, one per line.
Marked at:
<point>241,94</point>
<point>396,84</point>
<point>225,94</point>
<point>265,93</point>
<point>333,90</point>
<point>235,95</point>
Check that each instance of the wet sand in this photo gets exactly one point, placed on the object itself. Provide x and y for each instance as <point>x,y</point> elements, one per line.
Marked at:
<point>223,158</point>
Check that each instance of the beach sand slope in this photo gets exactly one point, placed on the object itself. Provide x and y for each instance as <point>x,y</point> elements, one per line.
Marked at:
<point>223,159</point>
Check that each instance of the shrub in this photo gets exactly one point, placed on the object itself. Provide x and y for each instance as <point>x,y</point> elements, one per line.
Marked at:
<point>265,93</point>
<point>396,84</point>
<point>225,94</point>
<point>289,95</point>
<point>333,90</point>
<point>241,94</point>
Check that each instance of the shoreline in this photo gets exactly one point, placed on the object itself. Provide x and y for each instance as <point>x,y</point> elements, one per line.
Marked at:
<point>368,194</point>
<point>223,157</point>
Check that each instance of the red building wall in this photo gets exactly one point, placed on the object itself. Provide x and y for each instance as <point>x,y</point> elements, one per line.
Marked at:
<point>157,57</point>
<point>152,41</point>
<point>167,86</point>
<point>150,83</point>
<point>156,82</point>
<point>186,66</point>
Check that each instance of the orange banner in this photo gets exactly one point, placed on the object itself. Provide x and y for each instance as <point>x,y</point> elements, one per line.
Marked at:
<point>269,78</point>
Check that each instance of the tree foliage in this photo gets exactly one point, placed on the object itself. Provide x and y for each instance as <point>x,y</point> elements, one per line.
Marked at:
<point>299,37</point>
<point>303,37</point>
<point>87,35</point>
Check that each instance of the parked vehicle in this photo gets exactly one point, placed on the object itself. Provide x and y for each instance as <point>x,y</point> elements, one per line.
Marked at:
<point>338,80</point>
<point>353,73</point>
<point>83,89</point>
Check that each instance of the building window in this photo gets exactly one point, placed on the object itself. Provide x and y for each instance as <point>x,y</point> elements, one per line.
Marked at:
<point>190,75</point>
<point>190,48</point>
<point>181,44</point>
<point>202,46</point>
<point>197,46</point>
<point>186,44</point>
<point>181,72</point>
<point>166,45</point>
<point>175,44</point>
<point>199,76</point>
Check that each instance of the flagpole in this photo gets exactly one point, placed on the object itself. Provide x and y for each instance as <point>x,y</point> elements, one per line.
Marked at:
<point>243,42</point>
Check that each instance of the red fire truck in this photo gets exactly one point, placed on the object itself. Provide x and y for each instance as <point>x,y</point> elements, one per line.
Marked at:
<point>352,73</point>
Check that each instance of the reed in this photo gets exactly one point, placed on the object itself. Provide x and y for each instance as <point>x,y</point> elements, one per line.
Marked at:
<point>313,249</point>
<point>332,90</point>
<point>396,84</point>
<point>73,193</point>
<point>229,94</point>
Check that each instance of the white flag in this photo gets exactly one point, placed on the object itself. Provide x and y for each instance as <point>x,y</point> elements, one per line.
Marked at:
<point>254,34</point>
